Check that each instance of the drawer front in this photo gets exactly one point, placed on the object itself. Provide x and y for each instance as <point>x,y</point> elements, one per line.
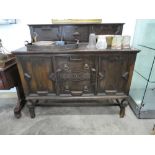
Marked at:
<point>76,74</point>
<point>74,63</point>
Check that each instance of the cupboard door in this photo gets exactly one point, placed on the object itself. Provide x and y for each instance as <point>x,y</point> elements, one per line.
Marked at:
<point>35,72</point>
<point>113,74</point>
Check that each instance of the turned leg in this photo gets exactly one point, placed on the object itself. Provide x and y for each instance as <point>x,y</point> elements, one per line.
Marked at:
<point>18,108</point>
<point>21,101</point>
<point>31,107</point>
<point>122,111</point>
<point>123,103</point>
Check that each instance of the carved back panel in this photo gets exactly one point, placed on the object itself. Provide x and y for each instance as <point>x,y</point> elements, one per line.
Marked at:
<point>70,32</point>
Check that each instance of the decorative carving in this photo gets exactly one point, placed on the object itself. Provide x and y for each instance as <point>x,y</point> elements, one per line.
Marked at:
<point>101,76</point>
<point>66,67</point>
<point>125,75</point>
<point>85,89</point>
<point>75,76</point>
<point>52,76</point>
<point>86,66</point>
<point>27,76</point>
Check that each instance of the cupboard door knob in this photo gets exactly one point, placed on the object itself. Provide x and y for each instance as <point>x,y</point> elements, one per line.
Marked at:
<point>86,66</point>
<point>125,75</point>
<point>85,89</point>
<point>101,76</point>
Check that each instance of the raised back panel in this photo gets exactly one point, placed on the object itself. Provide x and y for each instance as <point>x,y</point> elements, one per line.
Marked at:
<point>70,32</point>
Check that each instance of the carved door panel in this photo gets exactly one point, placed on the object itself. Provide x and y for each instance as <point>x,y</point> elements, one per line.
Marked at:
<point>76,74</point>
<point>113,74</point>
<point>35,74</point>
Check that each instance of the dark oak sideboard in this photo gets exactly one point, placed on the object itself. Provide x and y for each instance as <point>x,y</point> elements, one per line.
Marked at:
<point>74,74</point>
<point>79,74</point>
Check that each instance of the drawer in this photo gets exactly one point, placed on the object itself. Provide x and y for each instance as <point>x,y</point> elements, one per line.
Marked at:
<point>75,63</point>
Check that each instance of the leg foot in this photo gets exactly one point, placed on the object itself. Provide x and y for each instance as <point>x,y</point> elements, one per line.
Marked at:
<point>18,108</point>
<point>31,107</point>
<point>32,112</point>
<point>122,112</point>
<point>123,103</point>
<point>21,100</point>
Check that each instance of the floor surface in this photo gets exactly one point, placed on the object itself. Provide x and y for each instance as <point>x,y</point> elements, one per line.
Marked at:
<point>94,120</point>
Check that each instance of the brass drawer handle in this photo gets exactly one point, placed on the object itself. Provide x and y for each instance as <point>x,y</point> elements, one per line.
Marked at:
<point>86,66</point>
<point>75,58</point>
<point>125,75</point>
<point>85,89</point>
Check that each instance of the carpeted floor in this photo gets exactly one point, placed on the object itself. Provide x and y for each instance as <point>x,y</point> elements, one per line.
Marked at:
<point>70,120</point>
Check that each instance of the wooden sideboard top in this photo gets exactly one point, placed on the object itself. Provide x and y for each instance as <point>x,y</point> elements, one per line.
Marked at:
<point>82,49</point>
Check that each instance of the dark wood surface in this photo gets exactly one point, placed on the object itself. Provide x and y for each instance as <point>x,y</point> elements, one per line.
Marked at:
<point>53,76</point>
<point>68,31</point>
<point>51,73</point>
